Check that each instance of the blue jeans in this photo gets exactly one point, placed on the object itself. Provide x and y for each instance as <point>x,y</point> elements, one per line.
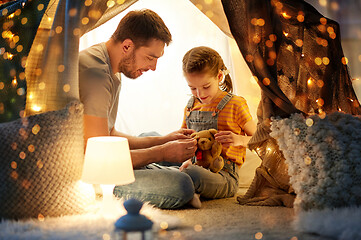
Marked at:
<point>211,185</point>
<point>164,187</point>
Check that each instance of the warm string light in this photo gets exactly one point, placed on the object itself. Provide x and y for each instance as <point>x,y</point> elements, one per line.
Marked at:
<point>106,236</point>
<point>94,14</point>
<point>36,108</point>
<point>8,35</point>
<point>266,81</point>
<point>13,42</point>
<point>209,14</point>
<point>110,3</point>
<point>258,235</point>
<point>309,122</point>
<point>321,113</point>
<point>344,60</point>
<point>285,15</point>
<point>307,160</point>
<point>301,16</point>
<point>320,102</point>
<point>14,82</point>
<point>258,22</point>
<point>12,47</point>
<point>310,81</point>
<point>198,228</point>
<point>164,225</point>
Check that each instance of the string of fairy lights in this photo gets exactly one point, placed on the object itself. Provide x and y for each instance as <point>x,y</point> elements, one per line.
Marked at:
<point>18,31</point>
<point>15,45</point>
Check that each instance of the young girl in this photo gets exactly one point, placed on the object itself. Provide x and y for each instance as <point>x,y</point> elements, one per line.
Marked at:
<point>213,106</point>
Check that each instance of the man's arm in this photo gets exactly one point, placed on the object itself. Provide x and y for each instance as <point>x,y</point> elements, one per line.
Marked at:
<point>94,127</point>
<point>178,147</point>
<point>176,151</point>
<point>151,141</point>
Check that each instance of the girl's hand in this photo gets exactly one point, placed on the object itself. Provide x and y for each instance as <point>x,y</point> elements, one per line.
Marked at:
<point>185,164</point>
<point>228,138</point>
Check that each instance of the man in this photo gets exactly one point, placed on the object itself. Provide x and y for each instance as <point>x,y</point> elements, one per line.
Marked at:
<point>133,49</point>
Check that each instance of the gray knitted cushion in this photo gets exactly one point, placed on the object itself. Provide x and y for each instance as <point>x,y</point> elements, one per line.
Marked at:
<point>41,159</point>
<point>323,157</point>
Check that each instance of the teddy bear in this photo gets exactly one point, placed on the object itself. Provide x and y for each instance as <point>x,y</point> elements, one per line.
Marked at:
<point>208,154</point>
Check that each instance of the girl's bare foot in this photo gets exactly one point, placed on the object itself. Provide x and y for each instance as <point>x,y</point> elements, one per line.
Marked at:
<point>195,202</point>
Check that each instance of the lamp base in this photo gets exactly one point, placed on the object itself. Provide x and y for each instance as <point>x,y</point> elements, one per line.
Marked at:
<point>108,203</point>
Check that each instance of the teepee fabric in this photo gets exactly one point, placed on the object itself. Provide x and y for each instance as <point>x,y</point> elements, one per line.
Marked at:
<point>42,148</point>
<point>295,54</point>
<point>52,71</point>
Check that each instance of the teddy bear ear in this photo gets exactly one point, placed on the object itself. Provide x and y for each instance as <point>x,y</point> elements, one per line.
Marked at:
<point>213,131</point>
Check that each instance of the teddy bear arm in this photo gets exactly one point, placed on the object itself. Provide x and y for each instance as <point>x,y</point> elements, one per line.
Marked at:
<point>216,149</point>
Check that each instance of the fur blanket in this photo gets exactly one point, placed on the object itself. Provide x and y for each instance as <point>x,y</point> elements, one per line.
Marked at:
<point>95,225</point>
<point>323,155</point>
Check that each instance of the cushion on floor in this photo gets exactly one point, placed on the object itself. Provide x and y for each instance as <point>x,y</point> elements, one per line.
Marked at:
<point>41,163</point>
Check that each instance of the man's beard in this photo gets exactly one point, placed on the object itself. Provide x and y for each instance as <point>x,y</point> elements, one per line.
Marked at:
<point>126,66</point>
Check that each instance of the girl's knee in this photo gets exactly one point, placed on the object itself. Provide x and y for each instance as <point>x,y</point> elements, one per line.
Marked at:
<point>185,185</point>
<point>181,191</point>
<point>195,173</point>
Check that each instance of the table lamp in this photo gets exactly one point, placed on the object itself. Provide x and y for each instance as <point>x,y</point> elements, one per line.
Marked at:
<point>107,162</point>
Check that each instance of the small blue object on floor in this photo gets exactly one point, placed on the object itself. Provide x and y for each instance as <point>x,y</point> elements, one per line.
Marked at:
<point>133,221</point>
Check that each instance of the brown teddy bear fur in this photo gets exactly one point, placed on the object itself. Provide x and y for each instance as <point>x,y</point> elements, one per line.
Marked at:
<point>209,150</point>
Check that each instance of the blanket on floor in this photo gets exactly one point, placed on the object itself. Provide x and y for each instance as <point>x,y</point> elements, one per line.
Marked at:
<point>95,225</point>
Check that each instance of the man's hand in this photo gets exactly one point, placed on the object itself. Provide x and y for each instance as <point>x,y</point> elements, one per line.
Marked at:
<point>182,133</point>
<point>179,150</point>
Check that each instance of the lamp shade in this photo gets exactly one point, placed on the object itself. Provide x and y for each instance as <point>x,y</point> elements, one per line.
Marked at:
<point>107,161</point>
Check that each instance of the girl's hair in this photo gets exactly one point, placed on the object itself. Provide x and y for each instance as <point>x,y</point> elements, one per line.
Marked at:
<point>206,60</point>
<point>140,26</point>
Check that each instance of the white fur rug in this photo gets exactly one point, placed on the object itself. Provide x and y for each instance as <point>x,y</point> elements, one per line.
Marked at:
<point>96,225</point>
<point>338,223</point>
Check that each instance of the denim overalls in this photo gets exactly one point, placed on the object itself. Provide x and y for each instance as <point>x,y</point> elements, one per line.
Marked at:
<point>208,184</point>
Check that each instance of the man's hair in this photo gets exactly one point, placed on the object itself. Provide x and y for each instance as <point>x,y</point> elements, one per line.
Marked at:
<point>140,26</point>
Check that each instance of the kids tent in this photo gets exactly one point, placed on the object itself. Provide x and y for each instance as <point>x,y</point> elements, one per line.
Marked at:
<point>292,50</point>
